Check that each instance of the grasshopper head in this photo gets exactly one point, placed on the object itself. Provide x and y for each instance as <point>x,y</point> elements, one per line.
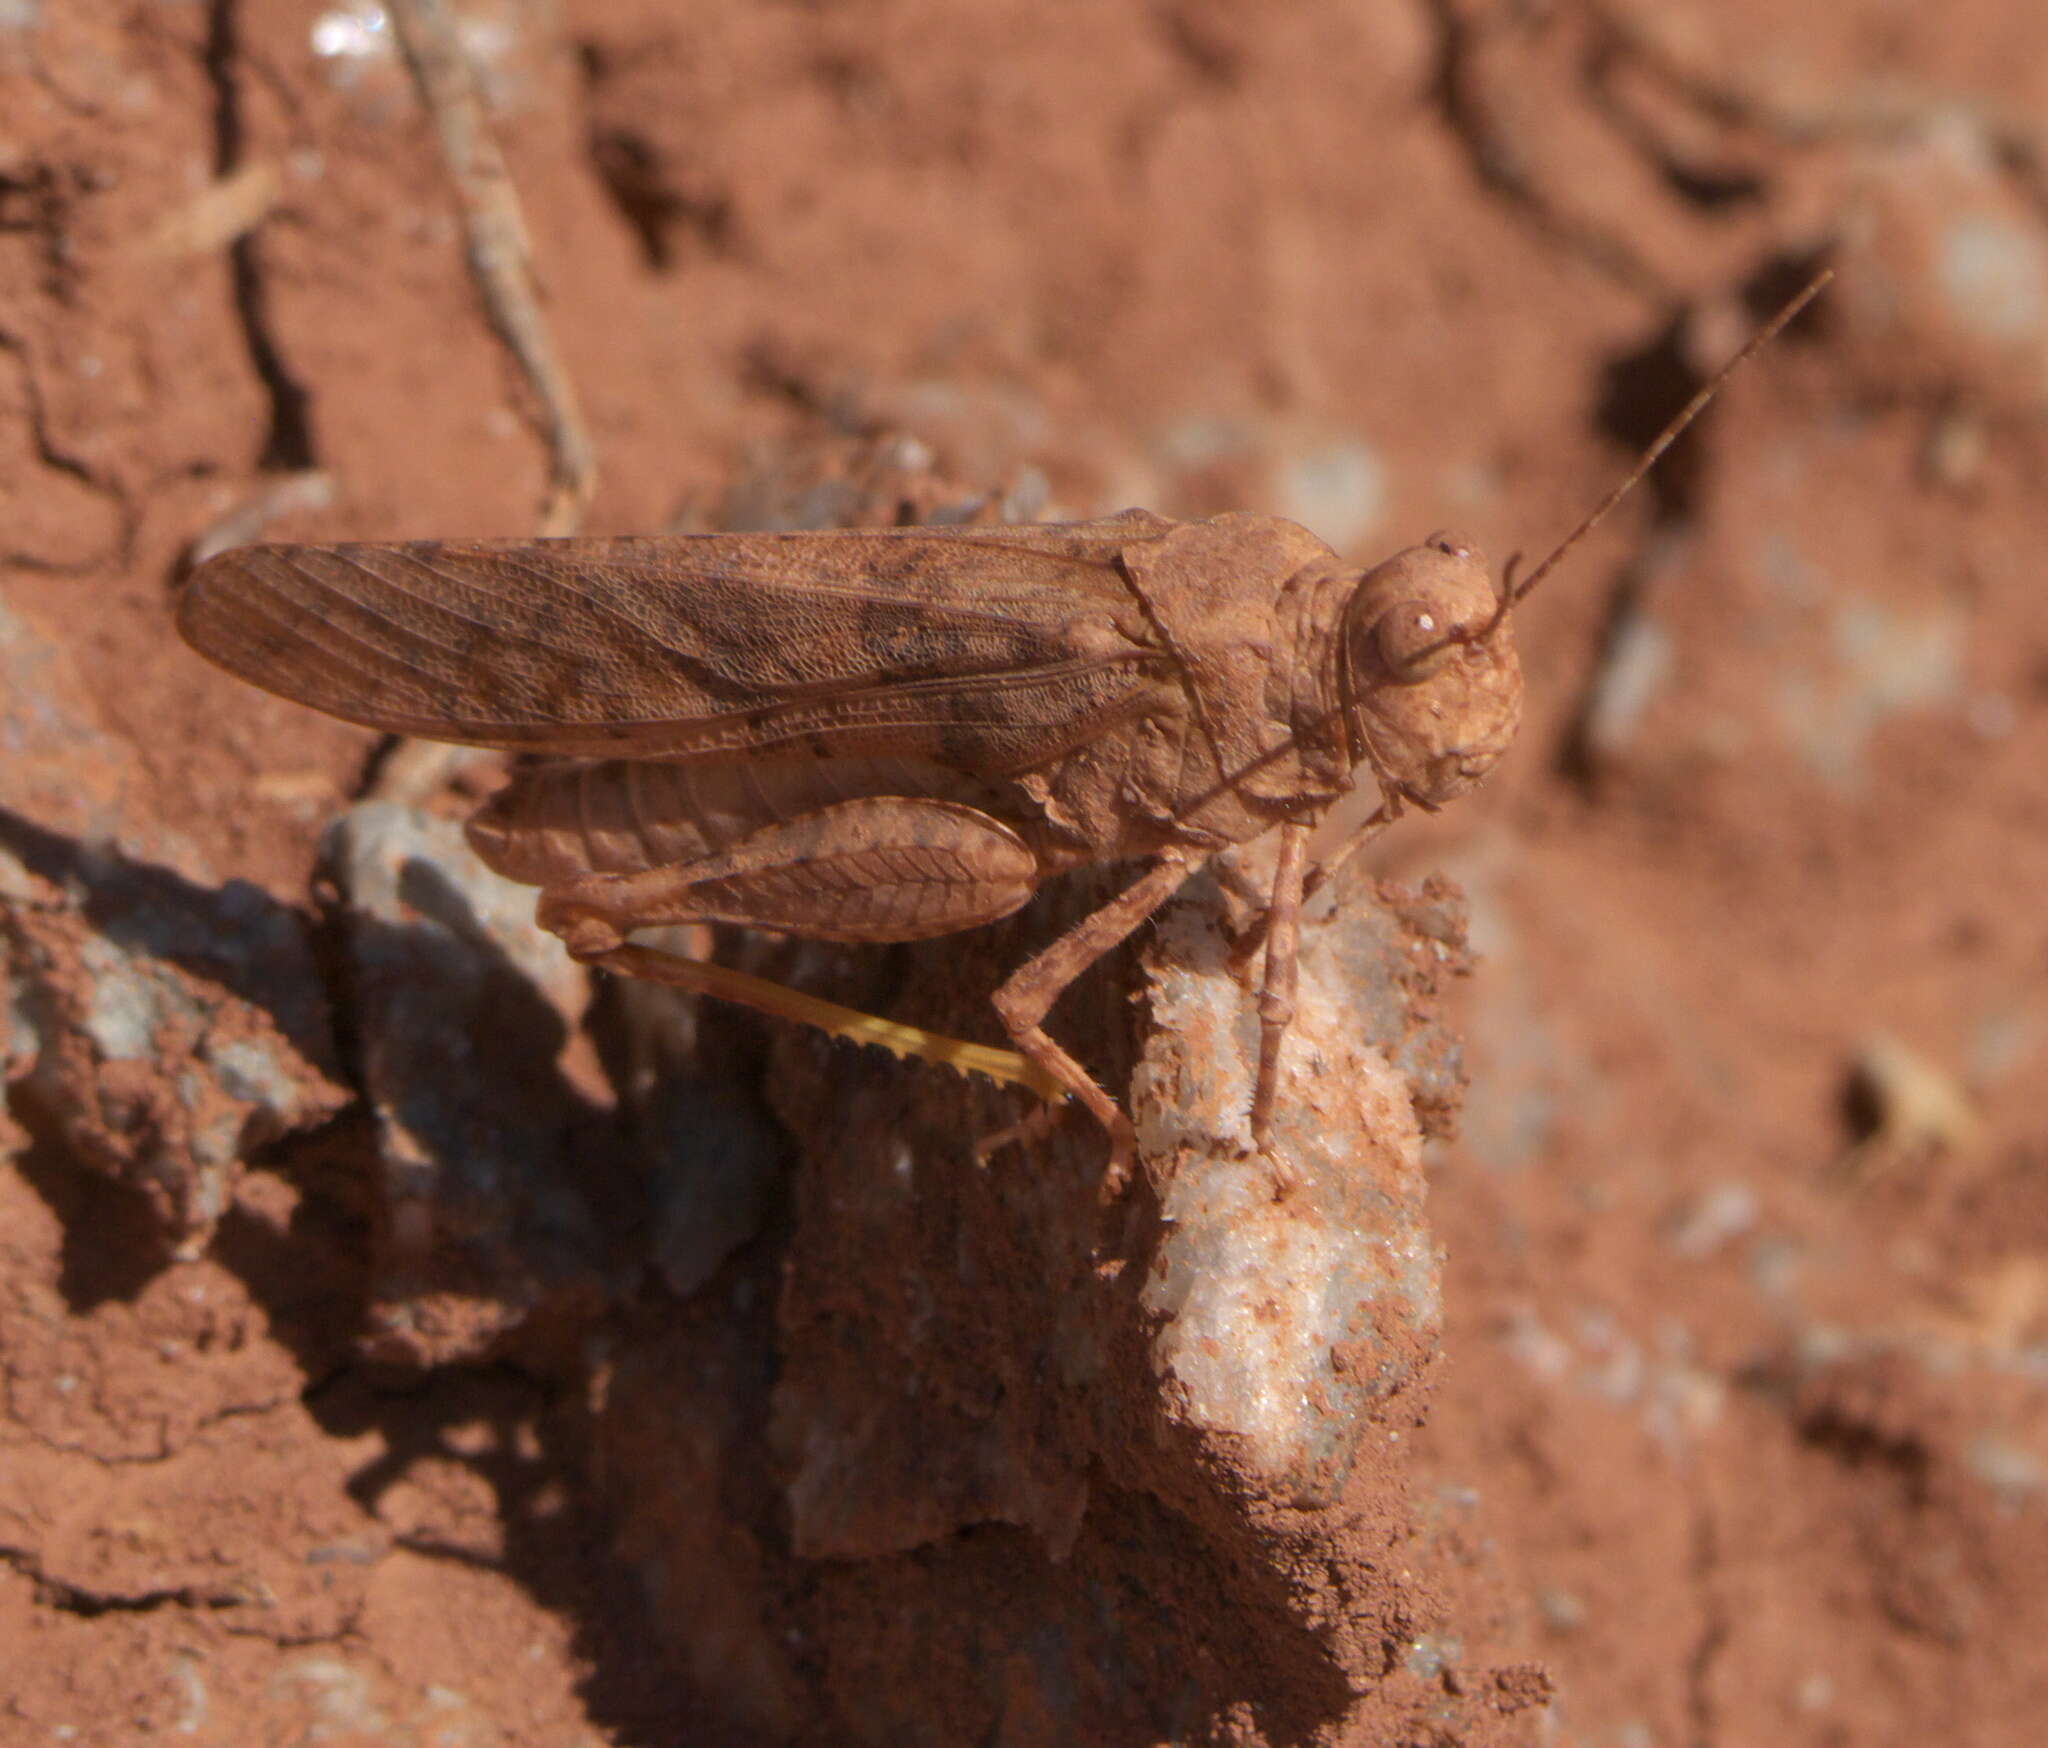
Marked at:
<point>1431,684</point>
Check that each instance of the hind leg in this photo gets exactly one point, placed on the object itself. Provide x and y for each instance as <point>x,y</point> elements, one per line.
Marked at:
<point>1028,994</point>
<point>886,868</point>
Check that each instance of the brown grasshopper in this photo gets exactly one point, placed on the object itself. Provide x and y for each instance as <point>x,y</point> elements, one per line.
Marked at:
<point>893,735</point>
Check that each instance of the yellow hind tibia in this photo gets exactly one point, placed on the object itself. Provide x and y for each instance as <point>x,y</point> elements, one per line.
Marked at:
<point>1006,1067</point>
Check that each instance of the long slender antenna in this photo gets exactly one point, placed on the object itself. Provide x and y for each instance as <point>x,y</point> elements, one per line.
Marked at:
<point>1668,436</point>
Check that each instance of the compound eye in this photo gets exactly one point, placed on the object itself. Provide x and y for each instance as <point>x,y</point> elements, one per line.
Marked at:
<point>1414,641</point>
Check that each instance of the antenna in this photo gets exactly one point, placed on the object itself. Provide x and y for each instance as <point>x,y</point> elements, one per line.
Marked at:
<point>1512,591</point>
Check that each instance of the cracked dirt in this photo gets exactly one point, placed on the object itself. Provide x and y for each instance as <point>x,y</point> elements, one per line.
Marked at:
<point>320,1426</point>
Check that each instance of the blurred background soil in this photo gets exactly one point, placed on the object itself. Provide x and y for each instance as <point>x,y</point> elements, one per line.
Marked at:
<point>1742,1430</point>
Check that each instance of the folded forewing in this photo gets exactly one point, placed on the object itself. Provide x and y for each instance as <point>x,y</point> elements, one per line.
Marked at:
<point>894,641</point>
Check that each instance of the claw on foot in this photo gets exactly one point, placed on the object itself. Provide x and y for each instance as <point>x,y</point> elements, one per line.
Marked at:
<point>1038,1124</point>
<point>1287,1177</point>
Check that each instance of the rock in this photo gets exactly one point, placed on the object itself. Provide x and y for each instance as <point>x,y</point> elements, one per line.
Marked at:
<point>494,1163</point>
<point>167,1068</point>
<point>1278,1323</point>
<point>163,1026</point>
<point>1057,1444</point>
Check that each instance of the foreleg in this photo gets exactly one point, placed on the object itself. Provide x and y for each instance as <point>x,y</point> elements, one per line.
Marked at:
<point>1283,977</point>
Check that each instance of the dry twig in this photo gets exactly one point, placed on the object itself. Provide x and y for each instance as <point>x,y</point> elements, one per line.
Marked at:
<point>499,255</point>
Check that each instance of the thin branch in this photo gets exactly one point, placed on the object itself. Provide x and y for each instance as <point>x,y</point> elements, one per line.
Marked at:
<point>500,258</point>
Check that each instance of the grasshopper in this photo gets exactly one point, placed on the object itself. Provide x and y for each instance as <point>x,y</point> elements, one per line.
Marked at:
<point>876,736</point>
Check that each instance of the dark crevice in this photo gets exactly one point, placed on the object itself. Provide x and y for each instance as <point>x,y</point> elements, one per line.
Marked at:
<point>656,206</point>
<point>375,763</point>
<point>1500,164</point>
<point>1640,391</point>
<point>1780,278</point>
<point>52,455</point>
<point>1712,188</point>
<point>1707,187</point>
<point>671,205</point>
<point>288,445</point>
<point>91,1604</point>
<point>35,203</point>
<point>47,451</point>
<point>1858,1443</point>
